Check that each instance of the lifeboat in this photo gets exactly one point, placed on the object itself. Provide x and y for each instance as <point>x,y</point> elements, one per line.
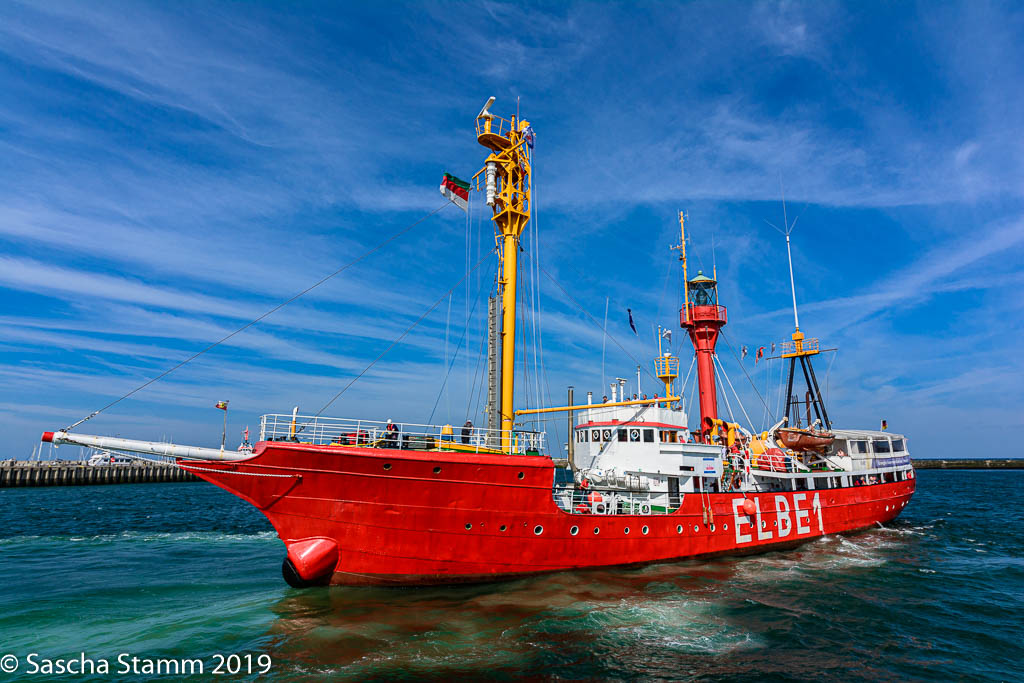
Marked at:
<point>805,439</point>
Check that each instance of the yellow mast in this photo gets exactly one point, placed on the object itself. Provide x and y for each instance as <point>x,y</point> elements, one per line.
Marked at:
<point>682,257</point>
<point>507,186</point>
<point>506,177</point>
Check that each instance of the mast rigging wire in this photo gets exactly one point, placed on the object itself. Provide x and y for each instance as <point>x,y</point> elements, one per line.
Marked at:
<point>728,405</point>
<point>444,385</point>
<point>395,342</point>
<point>594,320</point>
<point>689,402</point>
<point>276,308</point>
<point>738,401</point>
<point>451,365</point>
<point>540,327</point>
<point>740,362</point>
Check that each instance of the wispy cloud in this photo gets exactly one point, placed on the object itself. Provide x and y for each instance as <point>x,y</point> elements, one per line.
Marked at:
<point>170,173</point>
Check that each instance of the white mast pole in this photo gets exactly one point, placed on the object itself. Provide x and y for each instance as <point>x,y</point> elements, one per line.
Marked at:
<point>792,286</point>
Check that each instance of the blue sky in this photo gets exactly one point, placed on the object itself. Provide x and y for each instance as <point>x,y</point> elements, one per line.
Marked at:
<point>169,171</point>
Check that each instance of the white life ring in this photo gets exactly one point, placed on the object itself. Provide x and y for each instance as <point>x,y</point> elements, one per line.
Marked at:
<point>600,508</point>
<point>645,508</point>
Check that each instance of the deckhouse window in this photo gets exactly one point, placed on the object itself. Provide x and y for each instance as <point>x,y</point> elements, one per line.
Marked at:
<point>581,436</point>
<point>881,445</point>
<point>606,435</point>
<point>858,446</point>
<point>897,446</point>
<point>668,436</point>
<point>596,436</point>
<point>648,436</point>
<point>623,436</point>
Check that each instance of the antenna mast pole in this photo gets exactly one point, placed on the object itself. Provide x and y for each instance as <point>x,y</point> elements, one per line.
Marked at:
<point>792,285</point>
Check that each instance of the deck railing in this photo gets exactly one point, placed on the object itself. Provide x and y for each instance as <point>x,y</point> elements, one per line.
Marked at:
<point>582,502</point>
<point>787,348</point>
<point>336,431</point>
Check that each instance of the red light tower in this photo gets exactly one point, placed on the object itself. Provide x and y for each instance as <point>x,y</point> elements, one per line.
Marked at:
<point>703,318</point>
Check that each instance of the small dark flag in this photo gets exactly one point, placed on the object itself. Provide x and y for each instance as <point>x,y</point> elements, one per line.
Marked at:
<point>773,347</point>
<point>529,136</point>
<point>743,352</point>
<point>631,325</point>
<point>885,425</point>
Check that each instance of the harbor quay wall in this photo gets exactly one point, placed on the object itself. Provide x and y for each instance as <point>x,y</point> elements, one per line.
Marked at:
<point>15,473</point>
<point>969,464</point>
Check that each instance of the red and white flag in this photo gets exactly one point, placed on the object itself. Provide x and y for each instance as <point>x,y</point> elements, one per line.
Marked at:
<point>457,191</point>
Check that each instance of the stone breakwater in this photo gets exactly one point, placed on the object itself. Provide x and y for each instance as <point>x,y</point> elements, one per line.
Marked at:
<point>14,473</point>
<point>970,464</point>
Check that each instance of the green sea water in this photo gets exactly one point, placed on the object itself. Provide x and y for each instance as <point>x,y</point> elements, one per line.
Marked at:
<point>173,571</point>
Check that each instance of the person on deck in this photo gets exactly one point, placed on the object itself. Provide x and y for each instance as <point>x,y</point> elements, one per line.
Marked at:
<point>391,434</point>
<point>466,429</point>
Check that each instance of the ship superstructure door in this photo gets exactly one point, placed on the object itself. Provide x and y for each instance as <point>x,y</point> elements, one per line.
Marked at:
<point>673,492</point>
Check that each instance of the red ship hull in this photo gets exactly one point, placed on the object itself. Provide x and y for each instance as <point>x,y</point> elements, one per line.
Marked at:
<point>399,517</point>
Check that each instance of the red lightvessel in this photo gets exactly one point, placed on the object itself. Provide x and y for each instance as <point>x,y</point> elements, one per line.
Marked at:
<point>363,502</point>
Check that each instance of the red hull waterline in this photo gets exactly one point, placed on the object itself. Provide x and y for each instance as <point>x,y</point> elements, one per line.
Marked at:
<point>371,516</point>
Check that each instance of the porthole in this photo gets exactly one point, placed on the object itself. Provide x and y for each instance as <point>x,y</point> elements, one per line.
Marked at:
<point>763,524</point>
<point>597,530</point>
<point>520,475</point>
<point>502,527</point>
<point>696,528</point>
<point>644,531</point>
<point>468,526</point>
<point>725,527</point>
<point>712,528</point>
<point>626,530</point>
<point>574,530</point>
<point>775,523</point>
<point>437,470</point>
<point>679,528</point>
<point>387,466</point>
<point>538,530</point>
